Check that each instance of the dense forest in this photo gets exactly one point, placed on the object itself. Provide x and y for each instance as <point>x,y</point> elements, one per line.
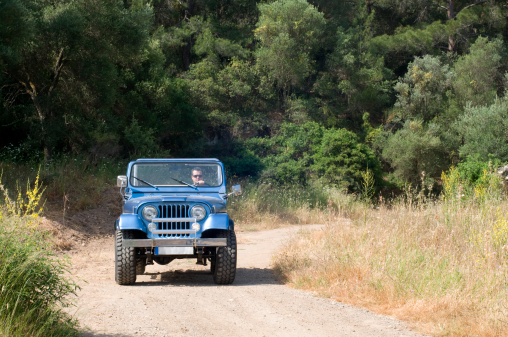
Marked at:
<point>289,91</point>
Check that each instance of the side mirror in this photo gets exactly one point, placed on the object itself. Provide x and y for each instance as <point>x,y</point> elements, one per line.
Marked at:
<point>236,190</point>
<point>121,181</point>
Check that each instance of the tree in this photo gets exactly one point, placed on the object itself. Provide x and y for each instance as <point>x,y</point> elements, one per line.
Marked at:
<point>354,80</point>
<point>442,24</point>
<point>484,130</point>
<point>414,149</point>
<point>479,76</point>
<point>341,159</point>
<point>83,45</point>
<point>422,92</point>
<point>289,33</point>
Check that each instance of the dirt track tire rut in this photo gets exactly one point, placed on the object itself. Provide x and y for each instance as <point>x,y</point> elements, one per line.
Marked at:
<point>165,300</point>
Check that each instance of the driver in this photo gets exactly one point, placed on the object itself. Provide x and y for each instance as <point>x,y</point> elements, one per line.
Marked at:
<point>197,177</point>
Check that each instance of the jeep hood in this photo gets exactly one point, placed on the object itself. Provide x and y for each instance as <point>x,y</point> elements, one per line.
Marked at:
<point>217,205</point>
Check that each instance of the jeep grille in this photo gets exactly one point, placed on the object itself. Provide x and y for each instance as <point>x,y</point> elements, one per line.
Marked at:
<point>173,211</point>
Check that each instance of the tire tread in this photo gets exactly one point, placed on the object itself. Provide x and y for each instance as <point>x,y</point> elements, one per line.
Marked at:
<point>225,265</point>
<point>125,259</point>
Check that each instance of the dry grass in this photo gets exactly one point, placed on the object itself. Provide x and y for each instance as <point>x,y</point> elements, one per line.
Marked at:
<point>263,206</point>
<point>442,266</point>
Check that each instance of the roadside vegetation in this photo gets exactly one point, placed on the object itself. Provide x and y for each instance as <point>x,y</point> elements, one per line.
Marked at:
<point>439,263</point>
<point>338,112</point>
<point>436,258</point>
<point>35,285</point>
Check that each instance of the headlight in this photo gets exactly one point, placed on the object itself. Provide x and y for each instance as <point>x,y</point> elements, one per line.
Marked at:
<point>149,212</point>
<point>198,212</point>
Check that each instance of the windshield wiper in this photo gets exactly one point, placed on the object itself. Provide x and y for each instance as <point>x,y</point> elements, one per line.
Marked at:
<point>145,182</point>
<point>183,182</point>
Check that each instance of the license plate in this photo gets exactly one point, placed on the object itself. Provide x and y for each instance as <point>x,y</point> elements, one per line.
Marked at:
<point>174,251</point>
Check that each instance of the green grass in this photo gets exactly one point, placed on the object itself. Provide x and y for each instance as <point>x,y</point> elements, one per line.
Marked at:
<point>35,287</point>
<point>34,283</point>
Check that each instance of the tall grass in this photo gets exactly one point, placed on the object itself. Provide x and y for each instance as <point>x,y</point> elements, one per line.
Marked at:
<point>265,206</point>
<point>76,182</point>
<point>34,287</point>
<point>442,265</point>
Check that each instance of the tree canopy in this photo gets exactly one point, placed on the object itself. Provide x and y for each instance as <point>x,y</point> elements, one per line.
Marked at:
<point>295,89</point>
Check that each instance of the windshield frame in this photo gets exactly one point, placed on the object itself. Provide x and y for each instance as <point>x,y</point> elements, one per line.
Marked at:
<point>181,165</point>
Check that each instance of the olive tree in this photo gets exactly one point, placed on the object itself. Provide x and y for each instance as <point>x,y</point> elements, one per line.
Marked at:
<point>484,130</point>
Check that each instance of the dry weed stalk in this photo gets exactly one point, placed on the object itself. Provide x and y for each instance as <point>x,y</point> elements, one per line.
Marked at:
<point>443,266</point>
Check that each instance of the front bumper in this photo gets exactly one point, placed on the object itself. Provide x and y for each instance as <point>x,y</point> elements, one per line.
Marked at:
<point>170,242</point>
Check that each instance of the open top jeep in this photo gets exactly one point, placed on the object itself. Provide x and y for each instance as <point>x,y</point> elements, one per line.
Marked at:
<point>174,209</point>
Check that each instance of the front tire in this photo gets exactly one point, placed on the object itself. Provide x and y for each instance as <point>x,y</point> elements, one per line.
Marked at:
<point>224,268</point>
<point>125,259</point>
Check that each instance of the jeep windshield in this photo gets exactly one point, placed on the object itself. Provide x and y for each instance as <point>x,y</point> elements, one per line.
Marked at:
<point>191,174</point>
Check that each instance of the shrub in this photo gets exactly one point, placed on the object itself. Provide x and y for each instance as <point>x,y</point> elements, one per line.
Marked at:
<point>300,153</point>
<point>242,162</point>
<point>34,286</point>
<point>472,180</point>
<point>341,160</point>
<point>483,130</point>
<point>414,149</point>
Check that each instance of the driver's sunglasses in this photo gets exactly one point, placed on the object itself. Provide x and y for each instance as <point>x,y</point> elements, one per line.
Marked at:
<point>197,175</point>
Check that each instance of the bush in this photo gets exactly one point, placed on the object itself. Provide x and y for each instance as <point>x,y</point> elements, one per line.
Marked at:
<point>341,160</point>
<point>472,169</point>
<point>299,153</point>
<point>472,180</point>
<point>242,163</point>
<point>483,130</point>
<point>34,286</point>
<point>414,149</point>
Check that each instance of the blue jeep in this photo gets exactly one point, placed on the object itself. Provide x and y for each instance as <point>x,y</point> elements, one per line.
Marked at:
<point>174,209</point>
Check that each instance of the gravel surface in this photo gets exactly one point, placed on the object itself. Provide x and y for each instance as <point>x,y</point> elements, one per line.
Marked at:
<point>181,299</point>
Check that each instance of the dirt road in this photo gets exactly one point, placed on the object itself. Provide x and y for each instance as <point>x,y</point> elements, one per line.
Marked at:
<point>180,299</point>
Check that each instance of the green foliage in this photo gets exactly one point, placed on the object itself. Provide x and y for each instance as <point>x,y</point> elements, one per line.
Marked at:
<point>243,162</point>
<point>287,157</point>
<point>117,79</point>
<point>472,168</point>
<point>478,73</point>
<point>83,46</point>
<point>422,92</point>
<point>35,285</point>
<point>484,131</point>
<point>415,149</point>
<point>360,77</point>
<point>15,30</point>
<point>289,32</point>
<point>140,140</point>
<point>297,19</point>
<point>301,152</point>
<point>472,180</point>
<point>341,159</point>
<point>410,40</point>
